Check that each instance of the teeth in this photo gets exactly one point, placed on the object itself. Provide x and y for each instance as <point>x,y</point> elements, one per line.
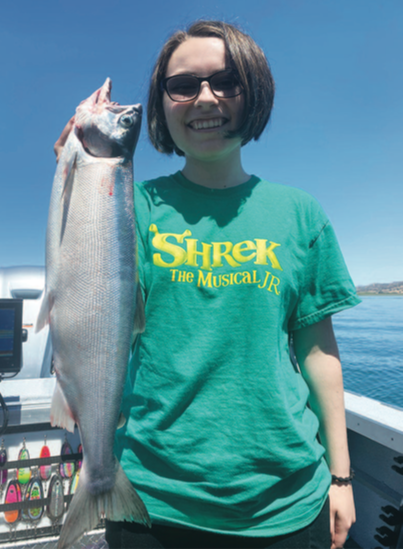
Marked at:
<point>203,124</point>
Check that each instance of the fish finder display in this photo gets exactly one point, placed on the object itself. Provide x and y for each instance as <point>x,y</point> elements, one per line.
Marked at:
<point>10,335</point>
<point>7,322</point>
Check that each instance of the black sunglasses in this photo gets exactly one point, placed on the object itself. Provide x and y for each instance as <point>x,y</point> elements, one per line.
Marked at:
<point>185,87</point>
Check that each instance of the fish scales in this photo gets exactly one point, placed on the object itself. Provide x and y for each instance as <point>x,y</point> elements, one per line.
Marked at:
<point>99,304</point>
<point>90,301</point>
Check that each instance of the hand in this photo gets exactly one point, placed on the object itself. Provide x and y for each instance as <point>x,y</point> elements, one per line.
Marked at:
<point>60,143</point>
<point>342,512</point>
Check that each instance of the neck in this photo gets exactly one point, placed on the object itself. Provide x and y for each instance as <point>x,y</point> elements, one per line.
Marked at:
<point>216,174</point>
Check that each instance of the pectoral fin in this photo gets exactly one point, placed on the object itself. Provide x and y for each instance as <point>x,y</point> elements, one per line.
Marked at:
<point>60,412</point>
<point>140,315</point>
<point>121,421</point>
<point>44,312</point>
<point>69,172</point>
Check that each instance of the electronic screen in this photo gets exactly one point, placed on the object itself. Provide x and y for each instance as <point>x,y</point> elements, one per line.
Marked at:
<point>10,335</point>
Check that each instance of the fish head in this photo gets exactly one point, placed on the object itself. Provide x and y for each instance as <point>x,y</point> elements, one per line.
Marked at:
<point>105,128</point>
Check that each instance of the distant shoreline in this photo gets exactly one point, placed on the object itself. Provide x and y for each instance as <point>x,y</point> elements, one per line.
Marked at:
<point>381,289</point>
<point>380,294</point>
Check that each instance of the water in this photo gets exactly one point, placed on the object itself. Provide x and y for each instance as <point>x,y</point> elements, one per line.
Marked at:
<point>370,339</point>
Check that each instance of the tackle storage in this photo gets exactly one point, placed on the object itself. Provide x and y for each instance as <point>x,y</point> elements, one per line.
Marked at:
<point>39,465</point>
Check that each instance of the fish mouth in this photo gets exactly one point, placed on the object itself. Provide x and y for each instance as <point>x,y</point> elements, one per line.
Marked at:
<point>102,96</point>
<point>104,93</point>
<point>104,127</point>
<point>101,99</point>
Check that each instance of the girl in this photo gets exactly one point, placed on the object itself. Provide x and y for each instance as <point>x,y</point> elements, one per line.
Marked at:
<point>230,442</point>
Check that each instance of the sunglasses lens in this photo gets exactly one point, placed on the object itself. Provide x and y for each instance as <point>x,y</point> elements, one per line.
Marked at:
<point>182,88</point>
<point>186,87</point>
<point>225,84</point>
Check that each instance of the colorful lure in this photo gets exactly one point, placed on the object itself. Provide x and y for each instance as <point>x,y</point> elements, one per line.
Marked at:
<point>13,495</point>
<point>55,508</point>
<point>80,462</point>
<point>34,492</point>
<point>74,483</point>
<point>23,474</point>
<point>3,462</point>
<point>45,470</point>
<point>66,469</point>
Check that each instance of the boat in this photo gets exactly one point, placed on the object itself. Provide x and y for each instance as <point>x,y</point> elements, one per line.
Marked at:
<point>375,435</point>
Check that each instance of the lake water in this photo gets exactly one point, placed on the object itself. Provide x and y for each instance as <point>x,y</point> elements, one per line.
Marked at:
<point>370,339</point>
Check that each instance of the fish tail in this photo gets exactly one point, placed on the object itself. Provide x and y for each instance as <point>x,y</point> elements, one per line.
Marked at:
<point>118,504</point>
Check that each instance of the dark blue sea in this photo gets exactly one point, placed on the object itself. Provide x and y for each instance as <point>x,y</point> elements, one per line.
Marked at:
<point>370,339</point>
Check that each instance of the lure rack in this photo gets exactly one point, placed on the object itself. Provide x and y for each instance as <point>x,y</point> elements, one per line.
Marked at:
<point>39,473</point>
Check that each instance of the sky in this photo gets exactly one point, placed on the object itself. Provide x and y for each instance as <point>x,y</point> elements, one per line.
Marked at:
<point>336,129</point>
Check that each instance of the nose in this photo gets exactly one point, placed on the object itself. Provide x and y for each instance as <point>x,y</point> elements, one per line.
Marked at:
<point>206,95</point>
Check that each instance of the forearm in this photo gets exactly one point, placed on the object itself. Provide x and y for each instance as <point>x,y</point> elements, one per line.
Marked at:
<point>318,357</point>
<point>324,377</point>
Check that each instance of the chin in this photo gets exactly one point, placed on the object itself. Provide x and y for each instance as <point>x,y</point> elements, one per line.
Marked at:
<point>209,152</point>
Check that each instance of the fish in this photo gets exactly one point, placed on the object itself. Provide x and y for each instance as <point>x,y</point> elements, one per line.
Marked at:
<point>92,302</point>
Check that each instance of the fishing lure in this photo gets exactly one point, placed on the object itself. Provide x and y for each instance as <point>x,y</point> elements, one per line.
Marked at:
<point>45,470</point>
<point>80,461</point>
<point>34,492</point>
<point>23,474</point>
<point>73,484</point>
<point>13,495</point>
<point>3,470</point>
<point>66,469</point>
<point>55,508</point>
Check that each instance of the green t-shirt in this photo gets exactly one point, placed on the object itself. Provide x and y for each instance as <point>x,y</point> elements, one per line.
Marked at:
<point>219,435</point>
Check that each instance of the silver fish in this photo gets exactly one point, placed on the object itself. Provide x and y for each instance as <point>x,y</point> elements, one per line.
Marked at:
<point>90,301</point>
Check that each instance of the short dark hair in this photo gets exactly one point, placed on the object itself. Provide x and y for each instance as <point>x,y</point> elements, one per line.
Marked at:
<point>245,57</point>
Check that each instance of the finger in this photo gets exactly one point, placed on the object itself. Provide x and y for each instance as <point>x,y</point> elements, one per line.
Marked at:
<point>332,533</point>
<point>340,534</point>
<point>60,143</point>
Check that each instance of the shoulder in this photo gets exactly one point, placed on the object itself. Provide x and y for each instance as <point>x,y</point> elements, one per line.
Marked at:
<point>151,193</point>
<point>156,185</point>
<point>292,202</point>
<point>286,192</point>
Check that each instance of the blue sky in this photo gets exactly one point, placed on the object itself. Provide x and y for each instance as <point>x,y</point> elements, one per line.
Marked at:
<point>336,129</point>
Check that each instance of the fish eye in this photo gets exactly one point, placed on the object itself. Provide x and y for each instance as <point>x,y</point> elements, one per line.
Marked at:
<point>126,121</point>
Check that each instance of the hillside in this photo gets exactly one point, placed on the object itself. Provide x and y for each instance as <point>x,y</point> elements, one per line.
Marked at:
<point>381,288</point>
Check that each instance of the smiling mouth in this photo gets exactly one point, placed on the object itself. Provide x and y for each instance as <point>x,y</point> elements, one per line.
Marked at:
<point>207,124</point>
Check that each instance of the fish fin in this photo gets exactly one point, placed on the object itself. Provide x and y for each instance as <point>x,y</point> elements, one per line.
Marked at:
<point>60,412</point>
<point>121,421</point>
<point>118,504</point>
<point>69,172</point>
<point>44,313</point>
<point>140,314</point>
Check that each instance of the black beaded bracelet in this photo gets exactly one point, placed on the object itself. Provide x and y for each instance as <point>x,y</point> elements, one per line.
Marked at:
<point>348,479</point>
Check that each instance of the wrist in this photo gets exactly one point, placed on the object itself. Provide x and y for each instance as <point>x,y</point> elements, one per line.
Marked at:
<point>343,480</point>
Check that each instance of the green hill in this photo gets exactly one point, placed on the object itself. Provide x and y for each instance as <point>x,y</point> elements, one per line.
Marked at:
<point>382,288</point>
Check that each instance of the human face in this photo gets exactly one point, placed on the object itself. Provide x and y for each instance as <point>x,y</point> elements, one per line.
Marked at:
<point>198,126</point>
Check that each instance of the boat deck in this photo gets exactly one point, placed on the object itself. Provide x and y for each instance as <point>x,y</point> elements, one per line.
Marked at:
<point>94,539</point>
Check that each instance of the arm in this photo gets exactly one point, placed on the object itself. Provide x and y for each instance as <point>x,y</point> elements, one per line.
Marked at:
<point>318,357</point>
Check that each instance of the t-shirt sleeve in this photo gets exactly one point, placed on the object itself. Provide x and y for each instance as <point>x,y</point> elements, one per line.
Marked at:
<point>325,283</point>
